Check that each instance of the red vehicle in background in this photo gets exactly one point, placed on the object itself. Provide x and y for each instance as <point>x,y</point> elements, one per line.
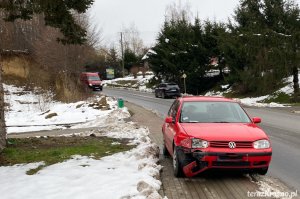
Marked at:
<point>203,133</point>
<point>92,80</point>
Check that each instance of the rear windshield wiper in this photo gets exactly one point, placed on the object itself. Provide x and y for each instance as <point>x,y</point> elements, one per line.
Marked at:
<point>221,122</point>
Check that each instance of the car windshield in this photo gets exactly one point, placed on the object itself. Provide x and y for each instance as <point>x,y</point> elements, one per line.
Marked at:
<point>94,78</point>
<point>213,112</point>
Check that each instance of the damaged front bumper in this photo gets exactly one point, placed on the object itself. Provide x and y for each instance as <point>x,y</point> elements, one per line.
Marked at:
<point>199,161</point>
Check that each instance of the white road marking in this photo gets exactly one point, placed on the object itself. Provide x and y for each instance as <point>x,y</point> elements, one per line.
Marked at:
<point>144,96</point>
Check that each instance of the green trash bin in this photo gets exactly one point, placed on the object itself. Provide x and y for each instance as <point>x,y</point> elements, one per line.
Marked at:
<point>120,103</point>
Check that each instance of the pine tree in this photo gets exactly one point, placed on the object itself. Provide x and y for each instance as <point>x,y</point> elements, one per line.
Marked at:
<point>57,14</point>
<point>130,59</point>
<point>263,45</point>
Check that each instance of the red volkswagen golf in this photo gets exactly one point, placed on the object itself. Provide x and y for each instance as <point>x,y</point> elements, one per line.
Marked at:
<point>213,132</point>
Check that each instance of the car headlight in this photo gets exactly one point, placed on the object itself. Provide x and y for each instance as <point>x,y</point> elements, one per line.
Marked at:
<point>261,144</point>
<point>198,143</point>
<point>90,84</point>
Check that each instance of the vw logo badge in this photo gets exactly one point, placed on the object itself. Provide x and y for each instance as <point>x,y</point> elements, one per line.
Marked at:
<point>232,145</point>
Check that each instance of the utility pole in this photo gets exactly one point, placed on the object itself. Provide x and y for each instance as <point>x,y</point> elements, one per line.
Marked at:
<point>122,52</point>
<point>184,77</point>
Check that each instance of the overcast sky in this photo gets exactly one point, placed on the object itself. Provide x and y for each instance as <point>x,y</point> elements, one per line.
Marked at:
<point>148,15</point>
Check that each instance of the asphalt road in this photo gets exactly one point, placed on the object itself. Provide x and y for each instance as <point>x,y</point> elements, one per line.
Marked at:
<point>282,126</point>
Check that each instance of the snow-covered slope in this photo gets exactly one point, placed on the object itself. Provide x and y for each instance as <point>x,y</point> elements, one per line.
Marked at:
<point>28,111</point>
<point>257,101</point>
<point>130,82</point>
<point>130,174</point>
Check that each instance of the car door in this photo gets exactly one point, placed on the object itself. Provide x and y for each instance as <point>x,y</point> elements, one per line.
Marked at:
<point>170,128</point>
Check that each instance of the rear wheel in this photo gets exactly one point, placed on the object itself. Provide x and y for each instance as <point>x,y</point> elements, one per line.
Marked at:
<point>156,95</point>
<point>163,95</point>
<point>177,164</point>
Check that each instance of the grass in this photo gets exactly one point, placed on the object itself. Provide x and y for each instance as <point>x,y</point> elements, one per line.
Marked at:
<point>52,150</point>
<point>282,98</point>
<point>119,86</point>
<point>123,82</point>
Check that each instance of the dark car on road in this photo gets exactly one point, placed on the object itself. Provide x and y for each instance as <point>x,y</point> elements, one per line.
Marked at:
<point>165,90</point>
<point>203,133</point>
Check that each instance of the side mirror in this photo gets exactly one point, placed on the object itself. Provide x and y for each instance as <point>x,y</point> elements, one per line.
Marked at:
<point>256,120</point>
<point>169,120</point>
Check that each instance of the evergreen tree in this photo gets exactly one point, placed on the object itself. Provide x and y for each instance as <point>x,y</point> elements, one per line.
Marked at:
<point>180,50</point>
<point>130,59</point>
<point>57,14</point>
<point>114,62</point>
<point>259,47</point>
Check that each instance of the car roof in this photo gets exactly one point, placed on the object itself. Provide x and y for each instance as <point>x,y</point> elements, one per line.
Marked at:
<point>205,99</point>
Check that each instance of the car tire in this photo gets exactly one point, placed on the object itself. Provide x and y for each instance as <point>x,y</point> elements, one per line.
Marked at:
<point>163,95</point>
<point>177,166</point>
<point>165,151</point>
<point>262,171</point>
<point>156,95</point>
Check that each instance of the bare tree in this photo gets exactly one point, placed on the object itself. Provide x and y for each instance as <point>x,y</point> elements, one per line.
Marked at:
<point>94,32</point>
<point>132,39</point>
<point>178,11</point>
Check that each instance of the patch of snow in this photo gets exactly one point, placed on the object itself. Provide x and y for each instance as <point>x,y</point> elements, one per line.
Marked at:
<point>152,52</point>
<point>256,101</point>
<point>146,56</point>
<point>214,93</point>
<point>130,174</point>
<point>270,188</point>
<point>251,101</point>
<point>288,89</point>
<point>225,86</point>
<point>139,82</point>
<point>24,112</point>
<point>283,34</point>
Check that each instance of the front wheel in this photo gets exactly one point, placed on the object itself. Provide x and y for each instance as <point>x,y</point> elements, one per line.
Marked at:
<point>262,171</point>
<point>177,164</point>
<point>165,151</point>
